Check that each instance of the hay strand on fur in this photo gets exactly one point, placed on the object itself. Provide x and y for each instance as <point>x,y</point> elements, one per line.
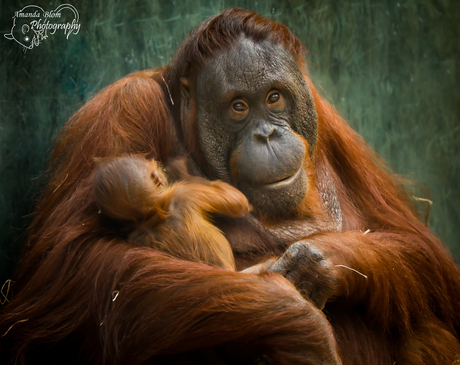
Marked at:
<point>5,299</point>
<point>20,321</point>
<point>349,268</point>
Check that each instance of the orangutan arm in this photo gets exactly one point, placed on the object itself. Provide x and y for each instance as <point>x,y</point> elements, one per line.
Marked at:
<point>139,303</point>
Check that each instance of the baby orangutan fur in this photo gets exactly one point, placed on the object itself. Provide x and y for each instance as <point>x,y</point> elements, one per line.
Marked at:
<point>171,217</point>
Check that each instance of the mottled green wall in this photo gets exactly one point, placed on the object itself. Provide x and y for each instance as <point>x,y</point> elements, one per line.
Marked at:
<point>391,68</point>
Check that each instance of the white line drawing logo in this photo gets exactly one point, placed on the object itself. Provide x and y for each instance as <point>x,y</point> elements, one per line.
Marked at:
<point>32,25</point>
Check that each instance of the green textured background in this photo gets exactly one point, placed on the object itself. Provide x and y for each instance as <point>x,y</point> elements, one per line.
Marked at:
<point>390,67</point>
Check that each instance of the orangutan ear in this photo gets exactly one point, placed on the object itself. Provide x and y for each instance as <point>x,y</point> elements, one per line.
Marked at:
<point>185,98</point>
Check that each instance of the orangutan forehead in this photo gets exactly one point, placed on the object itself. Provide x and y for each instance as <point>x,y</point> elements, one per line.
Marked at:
<point>248,65</point>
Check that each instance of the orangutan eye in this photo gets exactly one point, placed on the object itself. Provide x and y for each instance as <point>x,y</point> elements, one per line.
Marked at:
<point>273,97</point>
<point>240,107</point>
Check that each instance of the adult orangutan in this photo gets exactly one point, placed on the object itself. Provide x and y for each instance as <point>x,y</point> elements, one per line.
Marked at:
<point>237,100</point>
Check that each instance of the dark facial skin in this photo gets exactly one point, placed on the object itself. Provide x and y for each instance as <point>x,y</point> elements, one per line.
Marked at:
<point>254,113</point>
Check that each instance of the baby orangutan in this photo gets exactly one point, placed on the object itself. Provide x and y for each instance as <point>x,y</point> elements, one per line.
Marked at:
<point>171,217</point>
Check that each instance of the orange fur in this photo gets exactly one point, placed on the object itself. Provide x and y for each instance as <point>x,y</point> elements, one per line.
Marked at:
<point>169,310</point>
<point>173,218</point>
